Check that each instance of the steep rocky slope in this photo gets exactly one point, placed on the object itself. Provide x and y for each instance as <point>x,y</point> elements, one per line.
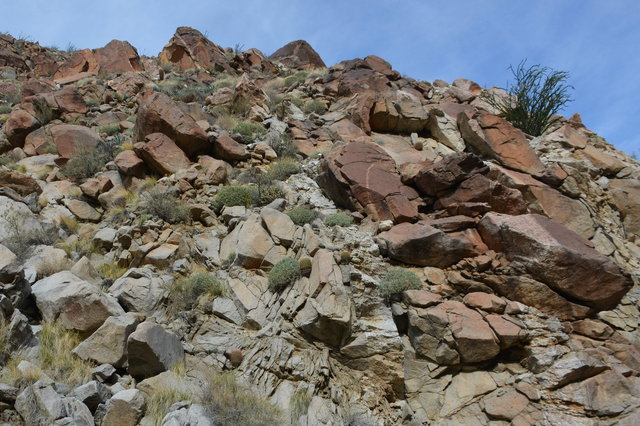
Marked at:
<point>147,205</point>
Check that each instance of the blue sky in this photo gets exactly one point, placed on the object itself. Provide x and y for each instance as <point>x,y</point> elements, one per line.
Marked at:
<point>597,41</point>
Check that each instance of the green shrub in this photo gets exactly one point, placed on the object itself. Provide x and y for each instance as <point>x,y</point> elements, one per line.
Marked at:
<point>160,400</point>
<point>164,204</point>
<point>84,164</point>
<point>297,102</point>
<point>281,170</point>
<point>305,263</point>
<point>339,219</point>
<point>264,194</point>
<point>44,113</point>
<point>296,78</point>
<point>109,129</point>
<point>184,293</point>
<point>249,131</point>
<point>284,273</point>
<point>537,94</point>
<point>56,358</point>
<point>22,241</point>
<point>230,404</point>
<point>284,147</point>
<point>398,280</point>
<point>315,107</point>
<point>234,195</point>
<point>5,109</point>
<point>301,215</point>
<point>299,404</point>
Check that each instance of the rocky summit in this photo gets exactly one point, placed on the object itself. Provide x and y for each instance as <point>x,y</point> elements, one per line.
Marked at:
<point>217,236</point>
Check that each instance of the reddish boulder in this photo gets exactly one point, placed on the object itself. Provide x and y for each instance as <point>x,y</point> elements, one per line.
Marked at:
<point>558,257</point>
<point>158,113</point>
<point>67,139</point>
<point>161,154</point>
<point>129,83</point>
<point>189,49</point>
<point>361,176</point>
<point>423,245</point>
<point>19,124</point>
<point>129,164</point>
<point>19,182</point>
<point>299,55</point>
<point>214,171</point>
<point>117,56</point>
<point>496,138</point>
<point>437,178</point>
<point>228,149</point>
<point>67,100</point>
<point>398,112</point>
<point>625,196</point>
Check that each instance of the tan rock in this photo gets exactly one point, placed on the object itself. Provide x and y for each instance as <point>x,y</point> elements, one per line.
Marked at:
<point>161,154</point>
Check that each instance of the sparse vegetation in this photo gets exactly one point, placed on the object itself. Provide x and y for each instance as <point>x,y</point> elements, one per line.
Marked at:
<point>111,271</point>
<point>109,129</point>
<point>283,273</point>
<point>338,219</point>
<point>229,261</point>
<point>184,293</point>
<point>537,94</point>
<point>265,194</point>
<point>22,241</point>
<point>5,109</point>
<point>233,195</point>
<point>398,280</point>
<point>164,204</point>
<point>301,215</point>
<point>284,147</point>
<point>316,107</point>
<point>299,404</point>
<point>249,131</point>
<point>281,170</point>
<point>56,359</point>
<point>159,402</point>
<point>295,79</point>
<point>229,404</point>
<point>43,111</point>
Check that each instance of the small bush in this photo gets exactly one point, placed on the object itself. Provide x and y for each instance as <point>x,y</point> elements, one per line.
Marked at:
<point>56,359</point>
<point>21,241</point>
<point>249,131</point>
<point>264,194</point>
<point>164,204</point>
<point>234,195</point>
<point>226,263</point>
<point>111,271</point>
<point>316,107</point>
<point>159,402</point>
<point>5,109</point>
<point>398,280</point>
<point>301,215</point>
<point>284,147</point>
<point>82,165</point>
<point>109,129</point>
<point>4,339</point>
<point>229,404</point>
<point>281,170</point>
<point>538,94</point>
<point>299,404</point>
<point>184,293</point>
<point>44,113</point>
<point>339,219</point>
<point>284,273</point>
<point>296,78</point>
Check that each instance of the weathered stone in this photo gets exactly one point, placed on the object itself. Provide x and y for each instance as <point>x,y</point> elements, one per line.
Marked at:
<point>464,388</point>
<point>252,245</point>
<point>505,404</point>
<point>140,289</point>
<point>215,171</point>
<point>421,298</point>
<point>129,164</point>
<point>161,154</point>
<point>66,139</point>
<point>151,350</point>
<point>298,55</point>
<point>39,404</point>
<point>108,344</point>
<point>437,178</point>
<point>479,189</point>
<point>571,213</point>
<point>116,56</point>
<point>558,257</point>
<point>228,149</point>
<point>19,124</point>
<point>82,210</point>
<point>506,328</point>
<point>485,301</point>
<point>189,49</point>
<point>92,394</point>
<point>625,196</point>
<point>279,225</point>
<point>125,408</point>
<point>19,182</point>
<point>162,256</point>
<point>78,304</point>
<point>398,112</point>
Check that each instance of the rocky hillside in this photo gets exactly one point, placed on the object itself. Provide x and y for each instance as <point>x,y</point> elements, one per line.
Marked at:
<point>220,237</point>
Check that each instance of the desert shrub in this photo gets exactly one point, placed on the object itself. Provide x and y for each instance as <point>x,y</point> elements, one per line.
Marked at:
<point>229,404</point>
<point>305,263</point>
<point>233,195</point>
<point>4,339</point>
<point>185,292</point>
<point>299,404</point>
<point>111,271</point>
<point>537,94</point>
<point>249,131</point>
<point>21,241</point>
<point>316,107</point>
<point>109,129</point>
<point>160,400</point>
<point>164,204</point>
<point>281,170</point>
<point>339,219</point>
<point>301,215</point>
<point>84,164</point>
<point>296,78</point>
<point>5,109</point>
<point>44,113</point>
<point>56,359</point>
<point>229,261</point>
<point>284,147</point>
<point>398,280</point>
<point>264,194</point>
<point>284,273</point>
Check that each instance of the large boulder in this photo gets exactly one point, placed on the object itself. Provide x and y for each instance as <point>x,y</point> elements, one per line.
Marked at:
<point>78,304</point>
<point>19,182</point>
<point>496,138</point>
<point>436,179</point>
<point>116,56</point>
<point>16,219</point>
<point>158,113</point>
<point>625,196</point>
<point>329,312</point>
<point>66,139</point>
<point>19,124</point>
<point>361,176</point>
<point>398,112</point>
<point>40,404</point>
<point>140,289</point>
<point>108,344</point>
<point>189,49</point>
<point>161,154</point>
<point>125,408</point>
<point>423,245</point>
<point>252,245</point>
<point>151,350</point>
<point>299,55</point>
<point>558,257</point>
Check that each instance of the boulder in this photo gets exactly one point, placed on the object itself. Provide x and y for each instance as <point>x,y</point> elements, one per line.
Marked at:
<point>444,129</point>
<point>329,312</point>
<point>129,83</point>
<point>129,164</point>
<point>279,225</point>
<point>569,212</point>
<point>496,138</point>
<point>140,289</point>
<point>214,171</point>
<point>16,218</point>
<point>40,404</point>
<point>189,49</point>
<point>161,154</point>
<point>625,196</point>
<point>92,394</point>
<point>228,149</point>
<point>423,245</point>
<point>361,176</point>
<point>158,113</point>
<point>151,350</point>
<point>557,256</point>
<point>19,124</point>
<point>505,404</point>
<point>125,408</point>
<point>117,56</point>
<point>66,139</point>
<point>82,210</point>
<point>298,55</point>
<point>108,344</point>
<point>398,112</point>
<point>162,256</point>
<point>78,304</point>
<point>19,182</point>
<point>252,245</point>
<point>436,179</point>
